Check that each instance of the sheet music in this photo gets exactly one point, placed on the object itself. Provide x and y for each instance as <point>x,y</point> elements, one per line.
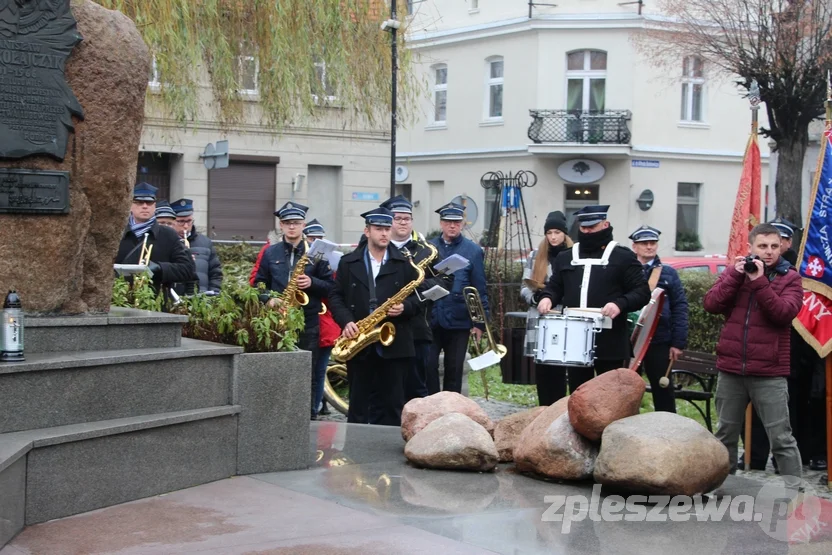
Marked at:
<point>451,264</point>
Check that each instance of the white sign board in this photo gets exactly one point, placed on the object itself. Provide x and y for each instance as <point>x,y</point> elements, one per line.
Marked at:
<point>581,170</point>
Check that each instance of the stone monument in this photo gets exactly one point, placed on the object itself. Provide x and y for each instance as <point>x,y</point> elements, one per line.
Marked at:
<point>73,79</point>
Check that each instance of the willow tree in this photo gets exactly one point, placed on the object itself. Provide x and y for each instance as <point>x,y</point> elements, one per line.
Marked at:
<point>291,41</point>
<point>785,45</point>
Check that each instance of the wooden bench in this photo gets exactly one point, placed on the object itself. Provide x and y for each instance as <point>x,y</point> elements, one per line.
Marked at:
<point>701,367</point>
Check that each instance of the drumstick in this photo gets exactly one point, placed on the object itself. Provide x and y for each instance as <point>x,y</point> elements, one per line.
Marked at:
<point>665,381</point>
<point>747,439</point>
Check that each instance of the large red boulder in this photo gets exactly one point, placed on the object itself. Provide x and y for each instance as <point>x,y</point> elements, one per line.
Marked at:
<point>601,401</point>
<point>508,430</point>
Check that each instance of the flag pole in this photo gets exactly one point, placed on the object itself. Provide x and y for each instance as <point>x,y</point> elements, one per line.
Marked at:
<point>828,358</point>
<point>754,99</point>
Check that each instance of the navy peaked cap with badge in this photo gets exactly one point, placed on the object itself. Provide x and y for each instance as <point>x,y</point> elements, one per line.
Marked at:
<point>380,216</point>
<point>400,204</point>
<point>592,215</point>
<point>314,229</point>
<point>292,211</point>
<point>144,191</point>
<point>784,226</point>
<point>183,207</point>
<point>451,211</point>
<point>163,210</point>
<point>645,233</point>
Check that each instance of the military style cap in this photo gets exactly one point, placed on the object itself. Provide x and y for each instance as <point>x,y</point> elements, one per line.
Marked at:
<point>144,191</point>
<point>163,210</point>
<point>314,229</point>
<point>452,212</point>
<point>380,216</point>
<point>645,233</point>
<point>591,215</point>
<point>183,207</point>
<point>292,211</point>
<point>399,204</point>
<point>784,226</point>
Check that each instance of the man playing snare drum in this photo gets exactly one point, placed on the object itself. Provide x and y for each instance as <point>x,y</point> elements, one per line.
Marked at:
<point>615,285</point>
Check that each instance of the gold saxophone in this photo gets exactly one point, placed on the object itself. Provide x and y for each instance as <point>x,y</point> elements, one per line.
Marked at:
<point>293,296</point>
<point>369,330</point>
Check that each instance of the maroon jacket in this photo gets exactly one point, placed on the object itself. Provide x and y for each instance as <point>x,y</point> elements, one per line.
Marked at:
<point>756,335</point>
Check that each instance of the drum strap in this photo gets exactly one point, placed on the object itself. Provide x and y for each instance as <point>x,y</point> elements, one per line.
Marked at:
<point>655,274</point>
<point>588,263</point>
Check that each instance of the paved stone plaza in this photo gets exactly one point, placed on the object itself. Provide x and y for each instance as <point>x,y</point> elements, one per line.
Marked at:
<point>361,497</point>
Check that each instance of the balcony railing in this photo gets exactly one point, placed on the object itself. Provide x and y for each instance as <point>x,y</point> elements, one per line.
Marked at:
<point>575,126</point>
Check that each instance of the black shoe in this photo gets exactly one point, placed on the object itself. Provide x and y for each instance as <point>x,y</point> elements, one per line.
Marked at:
<point>324,410</point>
<point>314,417</point>
<point>818,463</point>
<point>741,464</point>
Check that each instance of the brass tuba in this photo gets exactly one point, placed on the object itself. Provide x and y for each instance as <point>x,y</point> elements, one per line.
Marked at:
<point>369,330</point>
<point>477,314</point>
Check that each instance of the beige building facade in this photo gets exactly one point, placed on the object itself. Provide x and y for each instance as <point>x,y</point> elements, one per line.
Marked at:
<point>568,95</point>
<point>336,168</point>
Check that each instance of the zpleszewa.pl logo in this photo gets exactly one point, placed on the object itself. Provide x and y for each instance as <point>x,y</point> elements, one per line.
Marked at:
<point>782,513</point>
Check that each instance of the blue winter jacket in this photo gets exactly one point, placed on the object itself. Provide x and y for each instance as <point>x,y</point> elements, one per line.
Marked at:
<point>450,311</point>
<point>673,325</point>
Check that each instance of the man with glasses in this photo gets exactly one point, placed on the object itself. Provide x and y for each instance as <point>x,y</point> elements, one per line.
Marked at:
<point>451,324</point>
<point>316,281</point>
<point>402,237</point>
<point>170,261</point>
<point>208,267</point>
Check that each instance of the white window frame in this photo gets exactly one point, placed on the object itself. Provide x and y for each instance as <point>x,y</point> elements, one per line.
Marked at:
<point>251,94</point>
<point>328,98</point>
<point>691,201</point>
<point>475,6</point>
<point>437,88</point>
<point>493,82</point>
<point>688,82</point>
<point>155,83</point>
<point>586,75</point>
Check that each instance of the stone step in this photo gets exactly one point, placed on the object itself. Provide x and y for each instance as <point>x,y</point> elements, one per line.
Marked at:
<point>121,328</point>
<point>57,472</point>
<point>62,388</point>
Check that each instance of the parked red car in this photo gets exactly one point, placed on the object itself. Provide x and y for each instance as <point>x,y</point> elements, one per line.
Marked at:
<point>714,263</point>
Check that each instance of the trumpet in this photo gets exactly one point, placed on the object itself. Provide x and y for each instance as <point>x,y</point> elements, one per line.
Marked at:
<point>477,314</point>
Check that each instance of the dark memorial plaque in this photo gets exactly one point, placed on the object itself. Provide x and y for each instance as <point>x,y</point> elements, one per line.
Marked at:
<point>39,192</point>
<point>36,104</point>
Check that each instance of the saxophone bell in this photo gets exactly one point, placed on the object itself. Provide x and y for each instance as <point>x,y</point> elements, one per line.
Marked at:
<point>301,298</point>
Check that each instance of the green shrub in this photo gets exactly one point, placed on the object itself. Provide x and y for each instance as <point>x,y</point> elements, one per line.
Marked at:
<point>237,261</point>
<point>703,327</point>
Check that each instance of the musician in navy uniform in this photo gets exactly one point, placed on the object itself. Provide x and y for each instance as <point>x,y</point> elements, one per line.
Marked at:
<point>366,278</point>
<point>208,266</point>
<point>402,236</point>
<point>276,267</point>
<point>616,285</point>
<point>451,322</point>
<point>170,261</point>
<point>671,337</point>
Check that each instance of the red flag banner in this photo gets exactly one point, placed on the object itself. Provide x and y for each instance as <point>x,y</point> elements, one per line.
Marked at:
<point>814,322</point>
<point>747,206</point>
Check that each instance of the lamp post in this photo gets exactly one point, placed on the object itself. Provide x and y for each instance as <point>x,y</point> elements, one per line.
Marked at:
<point>392,26</point>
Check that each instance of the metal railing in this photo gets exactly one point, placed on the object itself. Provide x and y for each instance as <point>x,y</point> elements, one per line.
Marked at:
<point>575,126</point>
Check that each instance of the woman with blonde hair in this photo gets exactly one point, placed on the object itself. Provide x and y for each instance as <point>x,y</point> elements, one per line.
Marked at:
<point>551,380</point>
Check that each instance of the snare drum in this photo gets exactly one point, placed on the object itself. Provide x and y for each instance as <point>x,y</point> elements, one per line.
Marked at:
<point>566,340</point>
<point>530,341</point>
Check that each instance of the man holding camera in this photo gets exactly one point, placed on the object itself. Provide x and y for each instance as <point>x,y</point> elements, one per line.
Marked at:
<point>760,296</point>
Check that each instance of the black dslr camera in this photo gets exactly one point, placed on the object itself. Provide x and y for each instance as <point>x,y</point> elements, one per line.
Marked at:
<point>749,267</point>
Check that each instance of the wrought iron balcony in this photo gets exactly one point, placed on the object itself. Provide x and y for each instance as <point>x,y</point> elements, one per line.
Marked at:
<point>575,126</point>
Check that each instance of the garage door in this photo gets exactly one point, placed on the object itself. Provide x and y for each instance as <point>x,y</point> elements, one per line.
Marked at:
<point>241,201</point>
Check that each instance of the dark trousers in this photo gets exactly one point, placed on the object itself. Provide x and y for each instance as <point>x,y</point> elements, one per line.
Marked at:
<point>579,375</point>
<point>415,381</point>
<point>308,341</point>
<point>654,365</point>
<point>454,343</point>
<point>551,383</point>
<point>376,389</point>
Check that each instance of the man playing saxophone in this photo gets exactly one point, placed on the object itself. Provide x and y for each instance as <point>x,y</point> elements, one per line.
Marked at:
<point>402,236</point>
<point>314,280</point>
<point>366,279</point>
